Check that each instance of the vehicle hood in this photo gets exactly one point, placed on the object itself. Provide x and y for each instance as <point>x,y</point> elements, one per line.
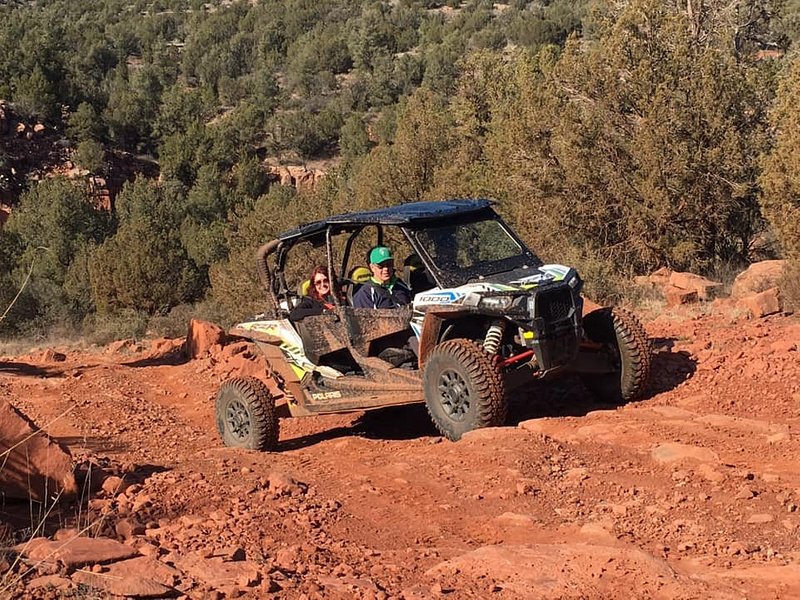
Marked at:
<point>519,280</point>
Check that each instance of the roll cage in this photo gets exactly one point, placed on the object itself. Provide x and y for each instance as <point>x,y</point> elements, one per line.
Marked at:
<point>413,219</point>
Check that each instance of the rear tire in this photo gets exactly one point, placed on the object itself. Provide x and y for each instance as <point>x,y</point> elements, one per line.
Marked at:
<point>463,389</point>
<point>246,414</point>
<point>625,341</point>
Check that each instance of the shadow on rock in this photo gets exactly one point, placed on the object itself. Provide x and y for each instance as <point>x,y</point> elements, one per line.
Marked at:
<point>27,370</point>
<point>93,443</point>
<point>391,423</point>
<point>304,441</point>
<point>169,359</point>
<point>668,369</point>
<point>566,397</point>
<point>28,518</point>
<point>396,423</point>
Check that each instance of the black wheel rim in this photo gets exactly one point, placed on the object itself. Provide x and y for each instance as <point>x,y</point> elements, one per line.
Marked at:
<point>238,419</point>
<point>454,394</point>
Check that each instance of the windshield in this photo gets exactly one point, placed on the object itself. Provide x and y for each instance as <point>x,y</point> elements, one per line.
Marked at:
<point>482,247</point>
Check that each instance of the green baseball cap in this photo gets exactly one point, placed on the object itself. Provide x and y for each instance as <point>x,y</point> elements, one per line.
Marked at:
<point>380,254</point>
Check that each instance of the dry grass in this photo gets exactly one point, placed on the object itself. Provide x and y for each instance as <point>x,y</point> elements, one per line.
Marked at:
<point>790,286</point>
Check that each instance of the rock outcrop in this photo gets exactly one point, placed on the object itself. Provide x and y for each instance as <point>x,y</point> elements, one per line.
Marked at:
<point>202,337</point>
<point>758,277</point>
<point>296,176</point>
<point>32,465</point>
<point>755,290</point>
<point>680,287</point>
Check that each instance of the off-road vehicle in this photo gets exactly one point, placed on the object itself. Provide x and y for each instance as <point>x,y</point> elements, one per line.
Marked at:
<point>487,318</point>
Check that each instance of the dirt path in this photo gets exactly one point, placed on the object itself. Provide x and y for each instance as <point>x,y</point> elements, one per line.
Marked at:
<point>693,492</point>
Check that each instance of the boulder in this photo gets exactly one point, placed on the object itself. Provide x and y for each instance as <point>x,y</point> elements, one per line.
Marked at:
<point>676,296</point>
<point>202,337</point>
<point>76,552</point>
<point>164,347</point>
<point>758,277</point>
<point>51,356</point>
<point>760,305</point>
<point>570,570</point>
<point>217,573</point>
<point>705,288</point>
<point>33,466</point>
<point>680,287</point>
<point>120,346</point>
<point>241,360</point>
<point>139,577</point>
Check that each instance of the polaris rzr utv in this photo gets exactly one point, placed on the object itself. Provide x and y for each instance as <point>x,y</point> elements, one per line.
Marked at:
<point>487,318</point>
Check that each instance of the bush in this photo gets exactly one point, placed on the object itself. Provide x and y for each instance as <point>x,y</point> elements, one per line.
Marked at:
<point>790,286</point>
<point>103,328</point>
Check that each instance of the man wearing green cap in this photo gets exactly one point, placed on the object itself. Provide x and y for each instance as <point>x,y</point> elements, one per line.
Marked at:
<point>383,290</point>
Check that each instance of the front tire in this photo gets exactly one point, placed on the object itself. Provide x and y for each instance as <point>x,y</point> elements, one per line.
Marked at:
<point>463,389</point>
<point>246,414</point>
<point>626,344</point>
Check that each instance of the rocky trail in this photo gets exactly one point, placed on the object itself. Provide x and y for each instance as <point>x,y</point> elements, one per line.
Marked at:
<point>693,492</point>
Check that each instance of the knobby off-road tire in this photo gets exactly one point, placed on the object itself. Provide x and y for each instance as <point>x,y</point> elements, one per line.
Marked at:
<point>246,414</point>
<point>463,389</point>
<point>626,343</point>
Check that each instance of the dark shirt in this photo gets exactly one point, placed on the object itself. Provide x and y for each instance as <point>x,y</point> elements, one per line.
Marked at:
<point>374,295</point>
<point>308,307</point>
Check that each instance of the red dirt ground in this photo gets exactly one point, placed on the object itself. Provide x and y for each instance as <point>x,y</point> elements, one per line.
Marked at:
<point>693,492</point>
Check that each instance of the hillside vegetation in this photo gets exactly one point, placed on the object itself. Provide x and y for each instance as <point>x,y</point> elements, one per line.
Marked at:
<point>615,136</point>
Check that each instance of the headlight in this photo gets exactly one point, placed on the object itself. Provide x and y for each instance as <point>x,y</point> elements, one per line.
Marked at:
<point>575,283</point>
<point>496,302</point>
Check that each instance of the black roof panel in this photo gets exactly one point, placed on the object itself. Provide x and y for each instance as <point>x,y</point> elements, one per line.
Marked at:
<point>401,214</point>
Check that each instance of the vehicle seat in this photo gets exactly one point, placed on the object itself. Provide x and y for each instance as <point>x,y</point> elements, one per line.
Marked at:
<point>358,276</point>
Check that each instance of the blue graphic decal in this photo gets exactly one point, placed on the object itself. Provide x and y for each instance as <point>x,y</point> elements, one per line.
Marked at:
<point>440,298</point>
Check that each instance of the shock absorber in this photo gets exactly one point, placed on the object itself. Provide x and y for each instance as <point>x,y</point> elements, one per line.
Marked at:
<point>491,343</point>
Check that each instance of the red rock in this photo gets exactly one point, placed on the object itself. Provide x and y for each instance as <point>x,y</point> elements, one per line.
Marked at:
<point>671,452</point>
<point>127,528</point>
<point>49,581</point>
<point>757,278</point>
<point>287,558</point>
<point>760,519</point>
<point>589,306</point>
<point>217,573</point>
<point>130,586</point>
<point>121,346</point>
<point>783,346</point>
<point>66,534</point>
<point>244,365</point>
<point>164,347</point>
<point>676,296</point>
<point>77,551</point>
<point>114,485</point>
<point>762,304</point>
<point>283,484</point>
<point>51,356</point>
<point>705,288</point>
<point>201,337</point>
<point>34,466</point>
<point>661,276</point>
<point>577,570</point>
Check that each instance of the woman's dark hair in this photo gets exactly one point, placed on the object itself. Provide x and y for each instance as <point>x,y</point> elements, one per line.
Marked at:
<point>312,289</point>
